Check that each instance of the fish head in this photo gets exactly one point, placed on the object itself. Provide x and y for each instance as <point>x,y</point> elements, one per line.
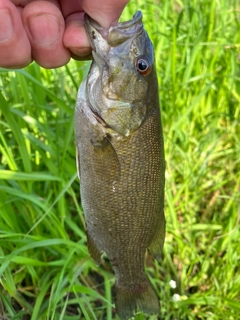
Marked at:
<point>122,77</point>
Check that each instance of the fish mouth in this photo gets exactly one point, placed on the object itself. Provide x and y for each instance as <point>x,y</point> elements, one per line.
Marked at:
<point>116,34</point>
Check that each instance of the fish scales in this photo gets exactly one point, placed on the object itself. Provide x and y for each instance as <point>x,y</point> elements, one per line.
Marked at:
<point>121,162</point>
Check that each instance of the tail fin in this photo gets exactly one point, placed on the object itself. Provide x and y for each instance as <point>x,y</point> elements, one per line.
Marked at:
<point>142,297</point>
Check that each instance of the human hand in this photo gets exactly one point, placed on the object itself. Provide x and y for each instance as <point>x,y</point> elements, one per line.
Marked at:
<point>50,31</point>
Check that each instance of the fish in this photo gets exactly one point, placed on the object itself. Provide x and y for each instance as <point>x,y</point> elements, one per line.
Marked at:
<point>120,159</point>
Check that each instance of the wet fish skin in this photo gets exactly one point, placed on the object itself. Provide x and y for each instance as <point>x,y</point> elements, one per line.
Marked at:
<point>120,159</point>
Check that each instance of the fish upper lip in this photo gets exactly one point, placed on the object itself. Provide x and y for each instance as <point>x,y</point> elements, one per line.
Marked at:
<point>127,24</point>
<point>120,25</point>
<point>124,29</point>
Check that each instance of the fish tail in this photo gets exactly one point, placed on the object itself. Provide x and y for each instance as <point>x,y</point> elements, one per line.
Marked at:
<point>140,297</point>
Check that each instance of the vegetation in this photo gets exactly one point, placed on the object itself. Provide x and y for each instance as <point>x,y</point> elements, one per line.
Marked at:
<point>45,268</point>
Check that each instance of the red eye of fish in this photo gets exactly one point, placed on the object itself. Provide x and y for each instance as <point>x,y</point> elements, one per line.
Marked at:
<point>143,66</point>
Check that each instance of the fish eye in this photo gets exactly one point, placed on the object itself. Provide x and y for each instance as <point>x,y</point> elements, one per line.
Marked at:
<point>143,66</point>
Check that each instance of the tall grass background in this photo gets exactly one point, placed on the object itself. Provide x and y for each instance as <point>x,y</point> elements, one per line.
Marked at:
<point>45,269</point>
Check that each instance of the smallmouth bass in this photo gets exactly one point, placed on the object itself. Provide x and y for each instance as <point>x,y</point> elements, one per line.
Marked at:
<point>120,159</point>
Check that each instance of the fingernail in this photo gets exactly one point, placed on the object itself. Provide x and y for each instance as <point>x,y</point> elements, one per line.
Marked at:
<point>6,25</point>
<point>44,29</point>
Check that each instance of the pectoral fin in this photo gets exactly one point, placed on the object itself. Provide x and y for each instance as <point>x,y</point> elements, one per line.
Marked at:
<point>97,140</point>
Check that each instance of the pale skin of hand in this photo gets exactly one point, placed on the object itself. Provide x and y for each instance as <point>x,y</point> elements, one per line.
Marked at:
<point>50,31</point>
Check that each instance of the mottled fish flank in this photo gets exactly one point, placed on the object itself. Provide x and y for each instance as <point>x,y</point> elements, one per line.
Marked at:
<point>120,159</point>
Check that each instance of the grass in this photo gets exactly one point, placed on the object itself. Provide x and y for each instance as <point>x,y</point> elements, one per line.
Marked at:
<point>45,269</point>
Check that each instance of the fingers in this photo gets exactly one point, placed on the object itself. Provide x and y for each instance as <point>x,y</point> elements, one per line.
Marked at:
<point>37,31</point>
<point>37,36</point>
<point>104,12</point>
<point>15,48</point>
<point>45,26</point>
<point>75,37</point>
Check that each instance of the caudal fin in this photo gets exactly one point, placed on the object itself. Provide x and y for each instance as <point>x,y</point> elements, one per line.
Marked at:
<point>142,298</point>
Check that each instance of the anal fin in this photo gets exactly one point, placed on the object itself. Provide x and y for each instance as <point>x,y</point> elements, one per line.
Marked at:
<point>157,243</point>
<point>95,253</point>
